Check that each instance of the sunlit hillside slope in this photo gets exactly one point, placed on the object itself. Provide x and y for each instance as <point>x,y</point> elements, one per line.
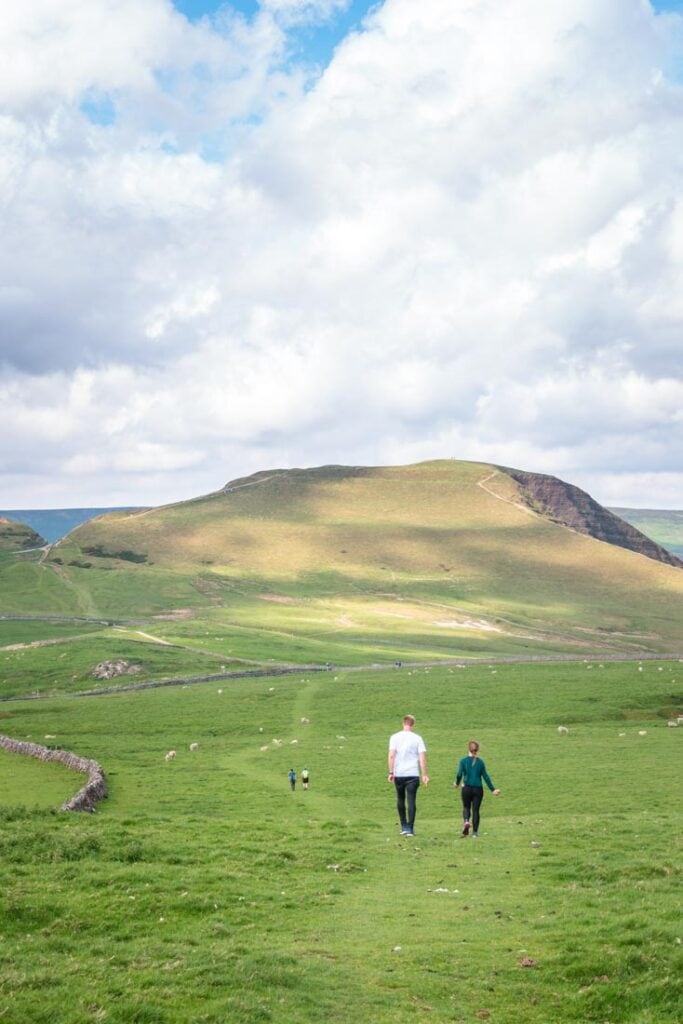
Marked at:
<point>444,557</point>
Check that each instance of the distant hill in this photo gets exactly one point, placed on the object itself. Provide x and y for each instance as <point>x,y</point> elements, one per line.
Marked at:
<point>18,536</point>
<point>53,523</point>
<point>665,526</point>
<point>459,551</point>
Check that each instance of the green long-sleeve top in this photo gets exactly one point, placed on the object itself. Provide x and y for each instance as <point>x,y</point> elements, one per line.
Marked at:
<point>472,770</point>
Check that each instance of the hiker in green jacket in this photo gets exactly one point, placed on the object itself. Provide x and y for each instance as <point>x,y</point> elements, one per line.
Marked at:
<point>472,770</point>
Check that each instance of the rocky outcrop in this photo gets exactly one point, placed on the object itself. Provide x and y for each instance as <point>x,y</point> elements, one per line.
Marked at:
<point>570,506</point>
<point>111,669</point>
<point>95,788</point>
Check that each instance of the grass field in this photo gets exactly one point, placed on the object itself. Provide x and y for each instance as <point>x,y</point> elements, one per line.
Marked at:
<point>205,891</point>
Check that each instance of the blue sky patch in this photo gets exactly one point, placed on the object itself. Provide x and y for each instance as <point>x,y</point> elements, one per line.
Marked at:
<point>99,108</point>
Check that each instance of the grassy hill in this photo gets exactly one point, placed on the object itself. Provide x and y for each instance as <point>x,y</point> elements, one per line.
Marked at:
<point>665,526</point>
<point>18,536</point>
<point>355,565</point>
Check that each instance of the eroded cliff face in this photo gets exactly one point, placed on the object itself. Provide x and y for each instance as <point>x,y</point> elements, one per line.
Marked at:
<point>570,506</point>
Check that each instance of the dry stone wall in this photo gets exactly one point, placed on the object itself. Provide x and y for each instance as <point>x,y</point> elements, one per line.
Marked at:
<point>89,795</point>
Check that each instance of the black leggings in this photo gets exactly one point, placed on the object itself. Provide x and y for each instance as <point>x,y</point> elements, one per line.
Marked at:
<point>472,797</point>
<point>406,790</point>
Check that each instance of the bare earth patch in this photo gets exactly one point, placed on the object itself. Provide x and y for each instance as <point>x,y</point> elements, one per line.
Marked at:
<point>176,614</point>
<point>478,624</point>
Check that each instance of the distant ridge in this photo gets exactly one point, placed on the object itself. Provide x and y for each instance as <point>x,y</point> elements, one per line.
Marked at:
<point>664,526</point>
<point>570,506</point>
<point>53,523</point>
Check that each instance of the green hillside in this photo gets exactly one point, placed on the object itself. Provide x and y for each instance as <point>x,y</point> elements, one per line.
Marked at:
<point>665,526</point>
<point>15,536</point>
<point>357,565</point>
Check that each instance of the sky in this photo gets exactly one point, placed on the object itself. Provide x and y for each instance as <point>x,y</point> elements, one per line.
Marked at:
<point>249,235</point>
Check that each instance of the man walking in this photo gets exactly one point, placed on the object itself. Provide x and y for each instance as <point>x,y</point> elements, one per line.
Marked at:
<point>407,762</point>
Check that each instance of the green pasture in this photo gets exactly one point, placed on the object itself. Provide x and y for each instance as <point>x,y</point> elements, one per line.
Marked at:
<point>204,890</point>
<point>66,666</point>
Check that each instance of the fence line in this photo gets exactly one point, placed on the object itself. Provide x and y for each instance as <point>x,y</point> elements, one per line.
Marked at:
<point>89,795</point>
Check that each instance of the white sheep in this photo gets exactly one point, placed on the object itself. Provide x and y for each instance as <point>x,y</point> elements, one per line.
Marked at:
<point>305,721</point>
<point>293,743</point>
<point>277,743</point>
<point>642,732</point>
<point>171,754</point>
<point>194,746</point>
<point>672,725</point>
<point>563,730</point>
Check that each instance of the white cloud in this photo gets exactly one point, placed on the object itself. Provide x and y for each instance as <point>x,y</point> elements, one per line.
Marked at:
<point>464,239</point>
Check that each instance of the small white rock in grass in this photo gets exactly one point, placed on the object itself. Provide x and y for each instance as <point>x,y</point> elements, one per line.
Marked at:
<point>194,746</point>
<point>271,689</point>
<point>219,691</point>
<point>260,728</point>
<point>640,668</point>
<point>171,754</point>
<point>563,730</point>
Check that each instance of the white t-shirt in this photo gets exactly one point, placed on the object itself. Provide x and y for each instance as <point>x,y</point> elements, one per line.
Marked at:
<point>408,746</point>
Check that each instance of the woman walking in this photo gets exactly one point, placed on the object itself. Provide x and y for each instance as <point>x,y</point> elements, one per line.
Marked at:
<point>472,770</point>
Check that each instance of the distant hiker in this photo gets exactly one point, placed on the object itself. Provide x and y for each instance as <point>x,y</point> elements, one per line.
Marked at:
<point>407,761</point>
<point>472,770</point>
<point>292,778</point>
<point>304,778</point>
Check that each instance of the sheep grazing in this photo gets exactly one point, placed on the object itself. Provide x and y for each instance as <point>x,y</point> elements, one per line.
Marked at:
<point>293,743</point>
<point>171,754</point>
<point>277,743</point>
<point>305,721</point>
<point>672,725</point>
<point>642,732</point>
<point>563,730</point>
<point>194,746</point>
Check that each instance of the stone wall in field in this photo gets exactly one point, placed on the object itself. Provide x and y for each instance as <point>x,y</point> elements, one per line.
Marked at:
<point>95,788</point>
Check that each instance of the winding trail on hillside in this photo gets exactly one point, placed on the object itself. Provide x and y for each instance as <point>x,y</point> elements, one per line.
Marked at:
<point>499,497</point>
